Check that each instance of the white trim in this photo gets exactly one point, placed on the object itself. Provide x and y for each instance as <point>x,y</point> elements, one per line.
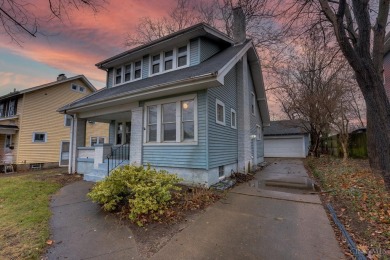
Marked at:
<point>97,140</point>
<point>132,73</point>
<point>59,162</point>
<point>235,118</point>
<point>33,137</point>
<point>219,102</point>
<point>175,60</point>
<point>179,138</point>
<point>77,88</point>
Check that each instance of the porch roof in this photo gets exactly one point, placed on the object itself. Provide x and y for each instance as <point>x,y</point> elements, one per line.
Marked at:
<point>8,129</point>
<point>206,69</point>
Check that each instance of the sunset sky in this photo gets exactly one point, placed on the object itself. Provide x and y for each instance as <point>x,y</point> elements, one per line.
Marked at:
<point>74,45</point>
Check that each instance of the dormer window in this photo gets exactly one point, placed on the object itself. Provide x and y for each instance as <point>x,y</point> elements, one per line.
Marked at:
<point>156,64</point>
<point>137,69</point>
<point>127,73</point>
<point>182,56</point>
<point>169,60</point>
<point>118,75</point>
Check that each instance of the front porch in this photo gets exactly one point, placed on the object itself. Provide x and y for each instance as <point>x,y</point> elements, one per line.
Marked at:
<point>122,147</point>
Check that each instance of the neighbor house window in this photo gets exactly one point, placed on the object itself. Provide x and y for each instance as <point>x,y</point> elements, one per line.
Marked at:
<point>77,88</point>
<point>97,140</point>
<point>172,120</point>
<point>67,120</point>
<point>127,73</point>
<point>182,56</point>
<point>259,132</point>
<point>233,118</point>
<point>39,137</point>
<point>219,112</point>
<point>253,103</point>
<point>156,64</point>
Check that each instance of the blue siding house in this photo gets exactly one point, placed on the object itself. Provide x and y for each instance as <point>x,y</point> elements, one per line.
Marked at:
<point>192,103</point>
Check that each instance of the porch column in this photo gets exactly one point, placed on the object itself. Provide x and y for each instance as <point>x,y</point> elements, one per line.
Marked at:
<point>77,139</point>
<point>101,152</point>
<point>136,136</point>
<point>243,116</point>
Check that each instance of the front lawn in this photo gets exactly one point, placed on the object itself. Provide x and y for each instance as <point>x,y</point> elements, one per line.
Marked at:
<point>360,200</point>
<point>25,212</point>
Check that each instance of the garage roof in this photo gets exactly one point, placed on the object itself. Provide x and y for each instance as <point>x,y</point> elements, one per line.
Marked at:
<point>287,127</point>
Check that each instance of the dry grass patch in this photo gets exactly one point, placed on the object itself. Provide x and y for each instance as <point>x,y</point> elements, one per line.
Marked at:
<point>360,200</point>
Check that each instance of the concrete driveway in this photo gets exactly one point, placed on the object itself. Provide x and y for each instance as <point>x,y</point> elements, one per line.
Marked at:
<point>259,222</point>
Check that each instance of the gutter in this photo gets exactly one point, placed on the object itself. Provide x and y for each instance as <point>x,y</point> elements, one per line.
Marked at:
<point>125,95</point>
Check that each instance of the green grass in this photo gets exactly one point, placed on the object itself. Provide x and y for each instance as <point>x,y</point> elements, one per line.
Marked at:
<point>25,214</point>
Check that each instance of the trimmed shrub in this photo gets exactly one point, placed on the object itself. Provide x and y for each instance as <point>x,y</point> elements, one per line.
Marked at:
<point>145,191</point>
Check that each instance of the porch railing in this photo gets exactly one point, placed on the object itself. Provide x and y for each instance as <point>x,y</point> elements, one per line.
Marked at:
<point>117,157</point>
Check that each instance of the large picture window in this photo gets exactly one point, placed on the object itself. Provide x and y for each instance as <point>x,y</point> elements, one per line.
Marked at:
<point>172,120</point>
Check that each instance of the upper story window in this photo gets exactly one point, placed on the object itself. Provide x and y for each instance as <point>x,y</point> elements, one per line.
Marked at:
<point>169,60</point>
<point>129,72</point>
<point>77,88</point>
<point>8,108</point>
<point>219,112</point>
<point>171,121</point>
<point>67,120</point>
<point>182,56</point>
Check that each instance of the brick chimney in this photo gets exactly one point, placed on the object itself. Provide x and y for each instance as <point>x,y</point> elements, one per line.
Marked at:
<point>61,77</point>
<point>239,26</point>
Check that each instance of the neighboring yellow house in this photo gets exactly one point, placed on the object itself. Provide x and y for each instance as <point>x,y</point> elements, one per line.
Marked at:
<point>33,134</point>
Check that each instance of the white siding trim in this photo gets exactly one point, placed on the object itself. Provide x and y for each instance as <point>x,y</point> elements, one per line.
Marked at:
<point>231,118</point>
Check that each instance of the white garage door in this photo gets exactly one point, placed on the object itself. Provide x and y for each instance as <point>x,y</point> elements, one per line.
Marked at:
<point>284,147</point>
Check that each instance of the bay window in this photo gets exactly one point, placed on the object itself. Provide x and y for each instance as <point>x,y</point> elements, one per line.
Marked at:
<point>171,121</point>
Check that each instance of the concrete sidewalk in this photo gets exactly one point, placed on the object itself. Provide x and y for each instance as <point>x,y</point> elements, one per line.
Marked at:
<point>258,222</point>
<point>82,231</point>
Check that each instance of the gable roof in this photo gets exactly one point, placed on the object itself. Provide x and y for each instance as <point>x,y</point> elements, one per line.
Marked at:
<point>50,84</point>
<point>197,30</point>
<point>287,127</point>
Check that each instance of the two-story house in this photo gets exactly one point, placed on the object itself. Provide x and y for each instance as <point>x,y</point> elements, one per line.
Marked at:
<point>33,134</point>
<point>192,103</point>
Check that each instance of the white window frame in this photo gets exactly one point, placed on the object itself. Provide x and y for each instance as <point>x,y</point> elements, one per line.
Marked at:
<point>179,135</point>
<point>219,102</point>
<point>65,117</point>
<point>231,118</point>
<point>253,104</point>
<point>35,141</point>
<point>97,139</point>
<point>123,69</point>
<point>259,133</point>
<point>78,88</point>
<point>152,63</point>
<point>175,60</point>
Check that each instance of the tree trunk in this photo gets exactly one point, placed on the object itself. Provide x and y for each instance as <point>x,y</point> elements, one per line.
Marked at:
<point>344,146</point>
<point>378,125</point>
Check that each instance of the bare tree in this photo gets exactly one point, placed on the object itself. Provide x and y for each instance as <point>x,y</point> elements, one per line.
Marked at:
<point>360,28</point>
<point>312,87</point>
<point>19,18</point>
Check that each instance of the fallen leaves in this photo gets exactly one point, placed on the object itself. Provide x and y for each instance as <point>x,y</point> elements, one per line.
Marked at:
<point>361,201</point>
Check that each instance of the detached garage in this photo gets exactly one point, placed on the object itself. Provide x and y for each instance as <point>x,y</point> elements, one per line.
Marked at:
<point>287,138</point>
